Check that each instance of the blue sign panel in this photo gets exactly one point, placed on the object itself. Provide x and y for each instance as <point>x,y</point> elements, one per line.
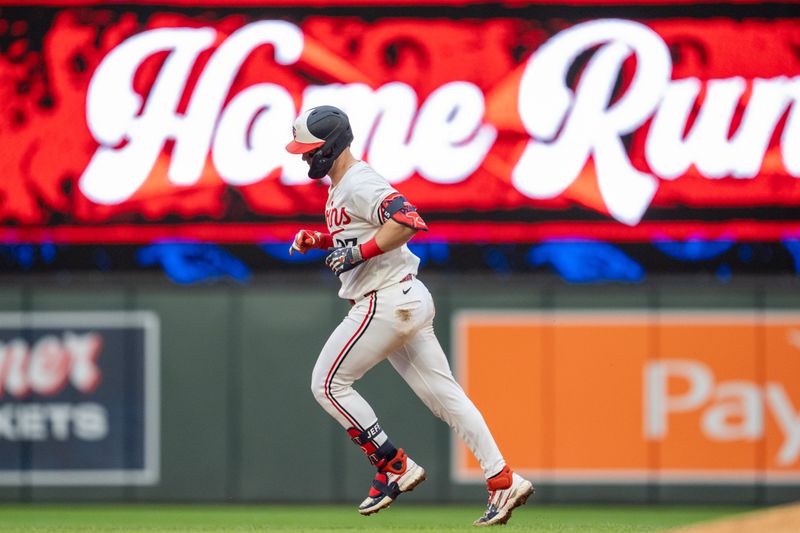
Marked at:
<point>79,398</point>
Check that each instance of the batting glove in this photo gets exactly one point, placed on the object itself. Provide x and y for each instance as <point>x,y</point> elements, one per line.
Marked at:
<point>344,259</point>
<point>307,239</point>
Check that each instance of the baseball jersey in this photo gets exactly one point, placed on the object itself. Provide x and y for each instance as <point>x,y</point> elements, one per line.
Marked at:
<point>353,216</point>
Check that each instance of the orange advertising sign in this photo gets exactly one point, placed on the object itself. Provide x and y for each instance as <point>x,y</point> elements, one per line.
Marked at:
<point>635,396</point>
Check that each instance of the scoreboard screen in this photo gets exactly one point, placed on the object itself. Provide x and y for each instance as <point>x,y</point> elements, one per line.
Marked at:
<point>506,124</point>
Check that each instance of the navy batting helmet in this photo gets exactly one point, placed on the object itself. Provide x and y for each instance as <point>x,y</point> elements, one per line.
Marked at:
<point>325,129</point>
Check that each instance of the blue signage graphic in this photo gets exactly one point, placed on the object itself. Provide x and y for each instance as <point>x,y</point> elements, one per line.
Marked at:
<point>79,398</point>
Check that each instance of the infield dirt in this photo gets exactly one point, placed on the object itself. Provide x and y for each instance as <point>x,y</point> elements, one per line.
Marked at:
<point>780,519</point>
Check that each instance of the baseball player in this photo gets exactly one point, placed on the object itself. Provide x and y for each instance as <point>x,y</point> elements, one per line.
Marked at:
<point>369,224</point>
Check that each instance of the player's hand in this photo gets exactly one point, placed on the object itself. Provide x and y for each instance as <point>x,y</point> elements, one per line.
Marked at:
<point>344,259</point>
<point>306,240</point>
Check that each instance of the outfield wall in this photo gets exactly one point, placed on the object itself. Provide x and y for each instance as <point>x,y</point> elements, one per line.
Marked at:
<point>234,419</point>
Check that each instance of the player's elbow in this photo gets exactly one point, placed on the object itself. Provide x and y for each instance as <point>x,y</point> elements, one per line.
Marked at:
<point>408,235</point>
<point>404,233</point>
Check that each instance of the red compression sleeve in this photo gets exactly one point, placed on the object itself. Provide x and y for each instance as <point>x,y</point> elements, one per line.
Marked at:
<point>370,249</point>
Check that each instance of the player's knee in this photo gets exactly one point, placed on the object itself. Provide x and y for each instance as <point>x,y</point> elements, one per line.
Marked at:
<point>324,393</point>
<point>325,386</point>
<point>318,389</point>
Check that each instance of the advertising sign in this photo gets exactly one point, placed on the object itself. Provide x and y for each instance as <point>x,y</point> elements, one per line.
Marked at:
<point>639,396</point>
<point>126,126</point>
<point>79,398</point>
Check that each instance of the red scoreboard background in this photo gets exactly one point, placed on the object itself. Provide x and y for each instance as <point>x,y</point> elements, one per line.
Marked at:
<point>512,123</point>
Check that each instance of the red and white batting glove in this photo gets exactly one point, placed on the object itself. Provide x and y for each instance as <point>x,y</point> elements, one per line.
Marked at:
<point>307,239</point>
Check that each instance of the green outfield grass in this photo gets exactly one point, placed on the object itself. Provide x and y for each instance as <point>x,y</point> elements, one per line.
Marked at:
<point>398,519</point>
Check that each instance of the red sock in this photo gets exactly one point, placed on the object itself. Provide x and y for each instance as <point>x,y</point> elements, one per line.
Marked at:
<point>501,480</point>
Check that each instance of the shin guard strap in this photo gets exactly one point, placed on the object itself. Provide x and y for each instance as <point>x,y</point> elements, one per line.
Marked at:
<point>363,437</point>
<point>377,455</point>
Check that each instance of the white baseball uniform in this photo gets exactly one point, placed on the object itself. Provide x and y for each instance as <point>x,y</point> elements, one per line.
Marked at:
<point>391,318</point>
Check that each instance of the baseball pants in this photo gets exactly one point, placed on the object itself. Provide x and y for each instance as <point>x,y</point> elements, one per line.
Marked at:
<point>396,323</point>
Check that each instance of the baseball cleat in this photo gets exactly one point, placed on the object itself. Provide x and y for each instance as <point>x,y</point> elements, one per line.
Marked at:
<point>507,491</point>
<point>400,475</point>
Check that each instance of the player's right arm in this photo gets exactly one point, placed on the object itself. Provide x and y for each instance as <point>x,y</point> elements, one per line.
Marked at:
<point>308,239</point>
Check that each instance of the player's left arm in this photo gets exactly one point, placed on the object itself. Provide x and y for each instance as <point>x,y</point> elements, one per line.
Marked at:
<point>400,222</point>
<point>391,235</point>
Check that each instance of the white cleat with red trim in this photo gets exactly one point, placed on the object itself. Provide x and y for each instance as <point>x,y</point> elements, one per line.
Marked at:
<point>507,491</point>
